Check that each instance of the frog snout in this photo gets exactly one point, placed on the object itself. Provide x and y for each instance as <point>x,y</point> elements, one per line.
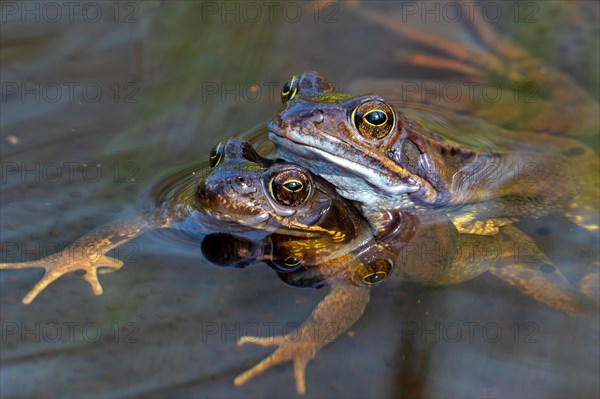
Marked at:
<point>314,115</point>
<point>297,117</point>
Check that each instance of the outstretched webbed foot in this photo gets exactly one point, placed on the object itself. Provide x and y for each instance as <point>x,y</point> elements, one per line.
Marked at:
<point>299,350</point>
<point>335,314</point>
<point>61,263</point>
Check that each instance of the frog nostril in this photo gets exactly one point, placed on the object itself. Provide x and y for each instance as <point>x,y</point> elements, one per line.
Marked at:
<point>318,116</point>
<point>315,115</point>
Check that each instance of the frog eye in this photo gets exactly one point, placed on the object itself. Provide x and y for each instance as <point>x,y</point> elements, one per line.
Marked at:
<point>291,261</point>
<point>284,255</point>
<point>290,89</point>
<point>290,187</point>
<point>289,264</point>
<point>373,272</point>
<point>215,155</point>
<point>373,119</point>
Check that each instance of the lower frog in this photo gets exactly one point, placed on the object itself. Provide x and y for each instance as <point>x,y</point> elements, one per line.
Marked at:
<point>288,201</point>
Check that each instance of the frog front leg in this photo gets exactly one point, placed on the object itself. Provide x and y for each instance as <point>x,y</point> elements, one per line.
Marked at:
<point>340,309</point>
<point>88,253</point>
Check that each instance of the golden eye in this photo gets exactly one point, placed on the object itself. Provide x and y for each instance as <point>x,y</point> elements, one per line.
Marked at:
<point>373,272</point>
<point>373,119</point>
<point>290,89</point>
<point>215,155</point>
<point>290,187</point>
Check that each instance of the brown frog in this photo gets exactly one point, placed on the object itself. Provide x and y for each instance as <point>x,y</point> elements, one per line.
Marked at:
<point>378,156</point>
<point>314,228</point>
<point>496,162</point>
<point>194,203</point>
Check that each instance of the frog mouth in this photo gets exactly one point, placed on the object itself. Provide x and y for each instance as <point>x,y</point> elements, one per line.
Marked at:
<point>215,218</point>
<point>376,172</point>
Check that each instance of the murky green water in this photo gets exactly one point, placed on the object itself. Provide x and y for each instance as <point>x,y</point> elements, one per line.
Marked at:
<point>99,99</point>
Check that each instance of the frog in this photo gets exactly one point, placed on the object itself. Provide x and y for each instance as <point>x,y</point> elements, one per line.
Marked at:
<point>487,164</point>
<point>468,161</point>
<point>186,207</point>
<point>379,157</point>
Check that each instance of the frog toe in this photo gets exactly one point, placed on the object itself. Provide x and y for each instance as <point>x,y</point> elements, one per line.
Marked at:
<point>45,281</point>
<point>91,276</point>
<point>109,265</point>
<point>590,285</point>
<point>262,341</point>
<point>21,265</point>
<point>288,350</point>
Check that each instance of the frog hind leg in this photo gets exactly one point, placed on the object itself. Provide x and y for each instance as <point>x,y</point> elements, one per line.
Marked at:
<point>476,65</point>
<point>525,267</point>
<point>339,310</point>
<point>566,108</point>
<point>547,100</point>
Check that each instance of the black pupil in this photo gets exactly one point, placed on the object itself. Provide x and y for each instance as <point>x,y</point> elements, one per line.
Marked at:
<point>375,277</point>
<point>293,186</point>
<point>291,261</point>
<point>375,117</point>
<point>287,87</point>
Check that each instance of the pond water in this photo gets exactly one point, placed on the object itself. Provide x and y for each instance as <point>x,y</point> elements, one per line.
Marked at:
<point>100,99</point>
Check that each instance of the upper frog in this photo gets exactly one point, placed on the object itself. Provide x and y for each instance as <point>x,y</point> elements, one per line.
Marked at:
<point>378,156</point>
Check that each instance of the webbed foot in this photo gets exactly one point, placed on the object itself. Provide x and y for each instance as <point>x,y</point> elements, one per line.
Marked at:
<point>335,313</point>
<point>299,350</point>
<point>59,264</point>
